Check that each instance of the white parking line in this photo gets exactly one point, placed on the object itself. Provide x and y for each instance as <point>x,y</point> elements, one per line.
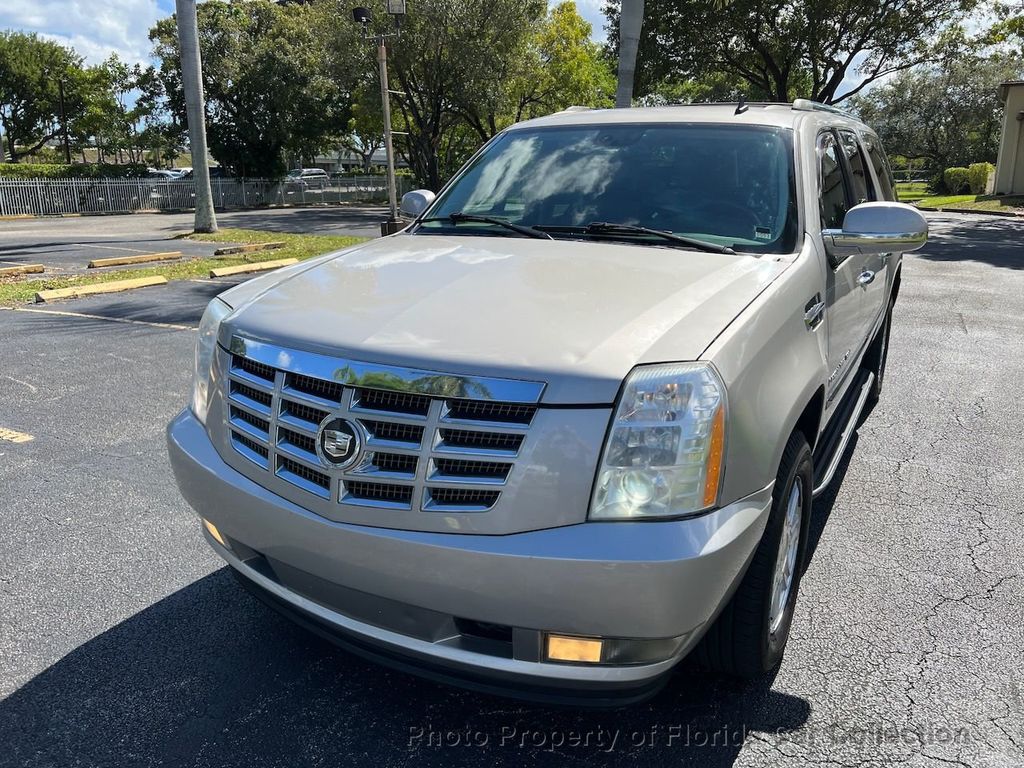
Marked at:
<point>150,323</point>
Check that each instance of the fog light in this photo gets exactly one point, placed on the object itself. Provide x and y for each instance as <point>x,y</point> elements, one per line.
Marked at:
<point>563,648</point>
<point>215,533</point>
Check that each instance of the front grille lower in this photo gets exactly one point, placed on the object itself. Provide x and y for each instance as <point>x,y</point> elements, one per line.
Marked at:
<point>422,452</point>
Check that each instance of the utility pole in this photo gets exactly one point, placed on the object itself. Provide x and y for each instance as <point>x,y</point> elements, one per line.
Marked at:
<point>63,120</point>
<point>631,19</point>
<point>192,83</point>
<point>396,9</point>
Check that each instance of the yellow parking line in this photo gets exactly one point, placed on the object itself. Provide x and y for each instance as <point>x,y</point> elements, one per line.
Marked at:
<point>12,436</point>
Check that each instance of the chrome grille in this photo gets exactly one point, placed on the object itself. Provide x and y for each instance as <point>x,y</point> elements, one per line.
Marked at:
<point>426,452</point>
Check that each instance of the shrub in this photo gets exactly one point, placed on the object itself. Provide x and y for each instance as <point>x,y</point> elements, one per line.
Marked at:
<point>956,180</point>
<point>978,175</point>
<point>73,171</point>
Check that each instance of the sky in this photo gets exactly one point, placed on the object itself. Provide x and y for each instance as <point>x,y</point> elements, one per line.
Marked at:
<point>97,28</point>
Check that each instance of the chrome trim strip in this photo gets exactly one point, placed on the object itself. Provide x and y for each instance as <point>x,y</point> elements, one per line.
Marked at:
<point>844,441</point>
<point>393,378</point>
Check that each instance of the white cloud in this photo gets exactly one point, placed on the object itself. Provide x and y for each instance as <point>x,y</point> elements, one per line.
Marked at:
<point>94,28</point>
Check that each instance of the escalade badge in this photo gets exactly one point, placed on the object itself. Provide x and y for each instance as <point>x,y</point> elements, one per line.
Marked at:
<point>338,443</point>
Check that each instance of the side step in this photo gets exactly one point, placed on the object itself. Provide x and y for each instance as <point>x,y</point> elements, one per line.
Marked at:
<point>831,449</point>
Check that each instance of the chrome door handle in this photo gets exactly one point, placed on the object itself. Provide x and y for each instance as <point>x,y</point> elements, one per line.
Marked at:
<point>865,277</point>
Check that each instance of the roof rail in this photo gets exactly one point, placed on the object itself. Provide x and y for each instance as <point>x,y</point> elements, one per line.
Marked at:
<point>806,105</point>
<point>574,108</point>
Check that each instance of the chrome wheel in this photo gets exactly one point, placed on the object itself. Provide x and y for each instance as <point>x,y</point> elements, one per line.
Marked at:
<point>785,560</point>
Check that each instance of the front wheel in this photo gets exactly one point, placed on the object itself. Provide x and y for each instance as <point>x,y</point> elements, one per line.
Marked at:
<point>749,637</point>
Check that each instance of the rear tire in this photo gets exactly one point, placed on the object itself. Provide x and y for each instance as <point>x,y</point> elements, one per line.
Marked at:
<point>749,637</point>
<point>877,355</point>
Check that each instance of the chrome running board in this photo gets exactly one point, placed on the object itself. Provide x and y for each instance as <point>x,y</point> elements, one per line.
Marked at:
<point>826,464</point>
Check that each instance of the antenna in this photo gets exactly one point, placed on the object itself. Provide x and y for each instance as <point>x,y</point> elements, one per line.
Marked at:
<point>741,107</point>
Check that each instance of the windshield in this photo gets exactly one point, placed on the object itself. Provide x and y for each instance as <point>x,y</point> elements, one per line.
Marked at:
<point>723,184</point>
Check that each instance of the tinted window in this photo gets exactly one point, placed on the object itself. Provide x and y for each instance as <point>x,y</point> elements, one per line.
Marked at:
<point>833,190</point>
<point>727,184</point>
<point>860,179</point>
<point>883,172</point>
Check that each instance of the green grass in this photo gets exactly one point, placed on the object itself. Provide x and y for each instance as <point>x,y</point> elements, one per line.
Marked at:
<point>16,290</point>
<point>973,202</point>
<point>911,190</point>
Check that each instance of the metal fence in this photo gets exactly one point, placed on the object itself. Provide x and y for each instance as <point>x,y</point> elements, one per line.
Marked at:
<point>54,197</point>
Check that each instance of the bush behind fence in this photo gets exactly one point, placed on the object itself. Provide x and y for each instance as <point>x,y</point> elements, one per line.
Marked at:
<point>55,197</point>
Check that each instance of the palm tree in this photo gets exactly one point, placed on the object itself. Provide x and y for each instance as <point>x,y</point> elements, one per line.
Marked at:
<point>631,19</point>
<point>192,84</point>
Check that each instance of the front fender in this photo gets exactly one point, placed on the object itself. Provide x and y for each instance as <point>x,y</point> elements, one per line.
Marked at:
<point>772,365</point>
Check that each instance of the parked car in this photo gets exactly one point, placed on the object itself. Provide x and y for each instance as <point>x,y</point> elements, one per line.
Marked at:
<point>169,175</point>
<point>565,428</point>
<point>308,178</point>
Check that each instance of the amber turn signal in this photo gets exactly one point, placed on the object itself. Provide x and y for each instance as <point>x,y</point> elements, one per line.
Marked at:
<point>564,648</point>
<point>214,532</point>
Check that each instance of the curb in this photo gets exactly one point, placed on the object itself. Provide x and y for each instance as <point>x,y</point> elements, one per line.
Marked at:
<point>88,290</point>
<point>24,269</point>
<point>260,266</point>
<point>145,258</point>
<point>249,248</point>
<point>975,211</point>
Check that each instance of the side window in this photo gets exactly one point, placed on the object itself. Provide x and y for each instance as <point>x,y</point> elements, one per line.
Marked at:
<point>860,179</point>
<point>881,165</point>
<point>833,190</point>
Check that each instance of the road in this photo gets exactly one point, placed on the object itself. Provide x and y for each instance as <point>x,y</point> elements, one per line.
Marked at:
<point>123,640</point>
<point>66,245</point>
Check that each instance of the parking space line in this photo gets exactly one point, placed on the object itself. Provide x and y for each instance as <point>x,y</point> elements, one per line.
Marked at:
<point>13,436</point>
<point>111,248</point>
<point>127,321</point>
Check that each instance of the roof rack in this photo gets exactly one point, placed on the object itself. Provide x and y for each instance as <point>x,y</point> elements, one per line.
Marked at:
<point>806,105</point>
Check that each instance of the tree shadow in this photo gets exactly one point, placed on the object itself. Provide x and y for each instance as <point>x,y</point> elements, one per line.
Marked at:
<point>209,676</point>
<point>998,241</point>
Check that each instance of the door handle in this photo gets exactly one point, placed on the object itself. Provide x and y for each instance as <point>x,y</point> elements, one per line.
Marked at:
<point>865,277</point>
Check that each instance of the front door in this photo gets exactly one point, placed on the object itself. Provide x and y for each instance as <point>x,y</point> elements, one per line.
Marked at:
<point>846,323</point>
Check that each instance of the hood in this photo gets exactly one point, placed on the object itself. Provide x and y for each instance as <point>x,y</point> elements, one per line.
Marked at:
<point>575,315</point>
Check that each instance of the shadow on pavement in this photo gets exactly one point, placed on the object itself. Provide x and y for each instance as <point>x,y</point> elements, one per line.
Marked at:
<point>210,676</point>
<point>329,220</point>
<point>992,240</point>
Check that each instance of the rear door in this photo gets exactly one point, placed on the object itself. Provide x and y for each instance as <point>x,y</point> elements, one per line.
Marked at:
<point>846,320</point>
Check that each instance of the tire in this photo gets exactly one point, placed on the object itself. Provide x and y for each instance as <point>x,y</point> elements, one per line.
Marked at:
<point>877,356</point>
<point>748,638</point>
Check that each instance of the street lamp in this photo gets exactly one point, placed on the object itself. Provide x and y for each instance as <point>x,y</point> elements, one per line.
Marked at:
<point>362,16</point>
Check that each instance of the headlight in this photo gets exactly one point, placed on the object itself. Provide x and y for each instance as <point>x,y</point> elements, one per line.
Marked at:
<point>206,343</point>
<point>665,451</point>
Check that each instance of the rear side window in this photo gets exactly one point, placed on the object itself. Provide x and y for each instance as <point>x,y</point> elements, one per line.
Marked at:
<point>833,190</point>
<point>860,178</point>
<point>883,172</point>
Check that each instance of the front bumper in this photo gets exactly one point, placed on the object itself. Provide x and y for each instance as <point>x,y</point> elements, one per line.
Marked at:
<point>406,597</point>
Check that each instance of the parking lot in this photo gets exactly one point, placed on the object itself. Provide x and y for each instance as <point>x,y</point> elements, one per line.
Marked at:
<point>124,641</point>
<point>67,245</point>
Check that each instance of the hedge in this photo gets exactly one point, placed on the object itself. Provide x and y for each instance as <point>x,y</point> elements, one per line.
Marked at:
<point>978,175</point>
<point>956,180</point>
<point>73,171</point>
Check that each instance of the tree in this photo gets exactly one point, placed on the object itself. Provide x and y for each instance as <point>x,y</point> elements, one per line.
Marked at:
<point>948,114</point>
<point>827,50</point>
<point>365,134</point>
<point>273,88</point>
<point>30,71</point>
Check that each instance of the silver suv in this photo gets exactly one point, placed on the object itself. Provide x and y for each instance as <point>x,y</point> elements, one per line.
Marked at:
<point>566,427</point>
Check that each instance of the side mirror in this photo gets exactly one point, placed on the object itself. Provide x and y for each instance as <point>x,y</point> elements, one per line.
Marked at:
<point>416,202</point>
<point>881,227</point>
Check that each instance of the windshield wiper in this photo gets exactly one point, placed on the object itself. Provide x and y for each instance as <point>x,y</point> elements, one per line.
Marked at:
<point>458,216</point>
<point>608,228</point>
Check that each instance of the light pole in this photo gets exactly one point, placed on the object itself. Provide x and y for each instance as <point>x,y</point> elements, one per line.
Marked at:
<point>396,8</point>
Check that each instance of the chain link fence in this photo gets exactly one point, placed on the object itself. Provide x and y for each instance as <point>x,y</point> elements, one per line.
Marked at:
<point>55,197</point>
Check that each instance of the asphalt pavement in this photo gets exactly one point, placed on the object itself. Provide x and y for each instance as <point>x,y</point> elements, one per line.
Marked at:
<point>124,641</point>
<point>66,245</point>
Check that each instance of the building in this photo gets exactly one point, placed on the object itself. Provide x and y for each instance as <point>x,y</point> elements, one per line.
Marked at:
<point>1010,167</point>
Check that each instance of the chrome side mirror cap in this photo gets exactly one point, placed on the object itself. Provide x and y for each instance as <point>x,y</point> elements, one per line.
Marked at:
<point>416,202</point>
<point>879,227</point>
